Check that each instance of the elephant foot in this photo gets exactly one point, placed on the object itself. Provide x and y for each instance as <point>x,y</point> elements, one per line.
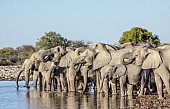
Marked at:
<point>160,98</point>
<point>35,87</point>
<point>64,89</point>
<point>28,87</point>
<point>130,97</point>
<point>72,91</point>
<point>114,93</point>
<point>140,94</point>
<point>47,89</point>
<point>80,91</point>
<point>122,95</point>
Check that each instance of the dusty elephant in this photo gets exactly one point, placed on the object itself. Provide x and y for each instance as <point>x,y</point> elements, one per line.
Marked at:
<point>158,60</point>
<point>32,64</point>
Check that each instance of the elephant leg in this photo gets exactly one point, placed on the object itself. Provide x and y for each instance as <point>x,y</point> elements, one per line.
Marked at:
<point>40,80</point>
<point>159,85</point>
<point>63,82</point>
<point>53,83</point>
<point>48,81</point>
<point>122,81</point>
<point>142,84</point>
<point>114,86</point>
<point>141,90</point>
<point>44,84</point>
<point>27,75</point>
<point>106,86</point>
<point>164,73</point>
<point>58,83</point>
<point>35,78</point>
<point>68,83</point>
<point>130,90</point>
<point>85,74</point>
<point>98,81</point>
<point>167,84</point>
<point>101,84</point>
<point>72,86</point>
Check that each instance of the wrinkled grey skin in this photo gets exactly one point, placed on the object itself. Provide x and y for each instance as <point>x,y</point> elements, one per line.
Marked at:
<point>30,65</point>
<point>133,70</point>
<point>128,75</point>
<point>44,70</point>
<point>48,69</point>
<point>72,73</point>
<point>100,55</point>
<point>158,60</point>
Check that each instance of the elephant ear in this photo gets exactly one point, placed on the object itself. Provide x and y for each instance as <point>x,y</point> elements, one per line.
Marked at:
<point>102,58</point>
<point>66,59</point>
<point>119,70</point>
<point>153,60</point>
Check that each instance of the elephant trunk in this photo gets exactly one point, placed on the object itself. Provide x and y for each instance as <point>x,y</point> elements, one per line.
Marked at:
<point>79,50</point>
<point>18,75</point>
<point>46,55</point>
<point>127,58</point>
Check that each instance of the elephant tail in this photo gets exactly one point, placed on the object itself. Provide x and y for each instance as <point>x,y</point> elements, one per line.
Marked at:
<point>18,75</point>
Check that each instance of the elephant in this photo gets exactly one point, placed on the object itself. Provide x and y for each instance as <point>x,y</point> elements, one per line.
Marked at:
<point>32,64</point>
<point>128,76</point>
<point>156,59</point>
<point>48,69</point>
<point>70,61</point>
<point>73,70</point>
<point>99,56</point>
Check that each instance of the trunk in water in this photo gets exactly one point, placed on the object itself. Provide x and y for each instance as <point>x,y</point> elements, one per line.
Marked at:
<point>18,75</point>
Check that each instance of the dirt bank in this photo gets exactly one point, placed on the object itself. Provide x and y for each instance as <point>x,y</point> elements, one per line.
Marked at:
<point>9,73</point>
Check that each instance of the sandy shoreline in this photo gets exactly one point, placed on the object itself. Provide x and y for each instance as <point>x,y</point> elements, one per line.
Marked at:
<point>9,73</point>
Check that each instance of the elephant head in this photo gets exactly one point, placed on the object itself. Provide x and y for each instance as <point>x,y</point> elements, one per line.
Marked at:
<point>116,71</point>
<point>147,58</point>
<point>112,72</point>
<point>144,57</point>
<point>57,52</point>
<point>99,46</point>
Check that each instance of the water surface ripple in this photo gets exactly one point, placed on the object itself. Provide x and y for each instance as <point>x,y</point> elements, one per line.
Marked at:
<point>11,98</point>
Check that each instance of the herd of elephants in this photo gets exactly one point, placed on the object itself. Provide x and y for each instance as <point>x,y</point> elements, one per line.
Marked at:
<point>108,68</point>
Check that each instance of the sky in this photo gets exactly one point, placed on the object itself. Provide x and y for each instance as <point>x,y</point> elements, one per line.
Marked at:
<point>23,22</point>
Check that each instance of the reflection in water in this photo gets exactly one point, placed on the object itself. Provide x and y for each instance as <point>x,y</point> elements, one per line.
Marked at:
<point>11,98</point>
<point>59,100</point>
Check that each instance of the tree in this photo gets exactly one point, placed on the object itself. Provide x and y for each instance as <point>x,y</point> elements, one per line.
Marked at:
<point>8,56</point>
<point>50,40</point>
<point>138,35</point>
<point>24,52</point>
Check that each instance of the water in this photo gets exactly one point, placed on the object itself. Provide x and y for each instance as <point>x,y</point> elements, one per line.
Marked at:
<point>11,98</point>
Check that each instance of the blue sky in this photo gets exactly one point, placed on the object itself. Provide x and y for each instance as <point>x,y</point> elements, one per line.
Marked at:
<point>24,22</point>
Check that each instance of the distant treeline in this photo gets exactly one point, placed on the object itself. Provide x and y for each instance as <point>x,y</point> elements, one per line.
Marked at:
<point>10,56</point>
